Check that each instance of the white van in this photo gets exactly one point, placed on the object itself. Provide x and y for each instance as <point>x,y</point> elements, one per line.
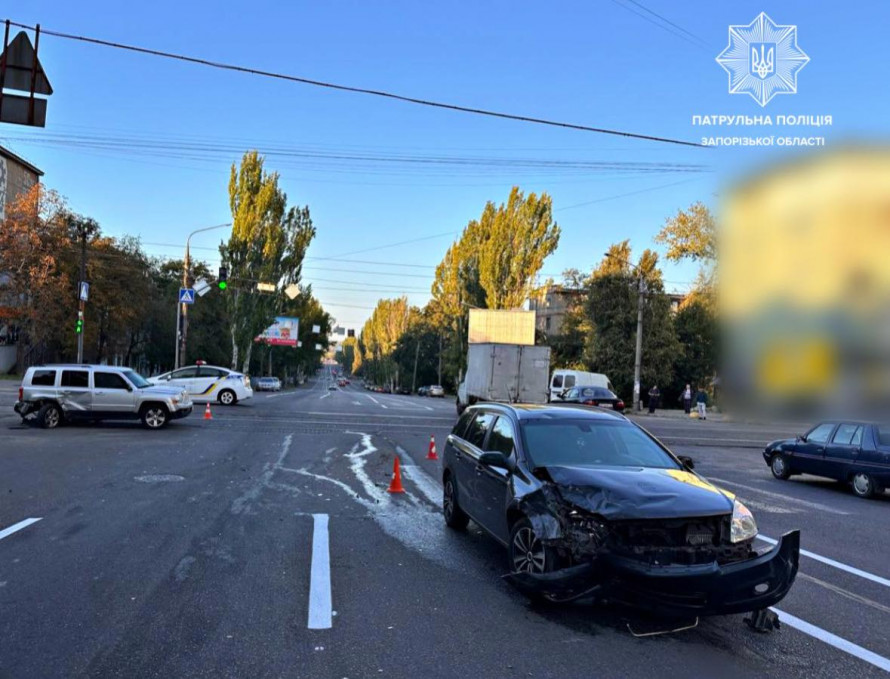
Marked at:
<point>562,380</point>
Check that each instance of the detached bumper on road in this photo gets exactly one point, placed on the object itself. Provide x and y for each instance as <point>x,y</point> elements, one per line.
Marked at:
<point>707,589</point>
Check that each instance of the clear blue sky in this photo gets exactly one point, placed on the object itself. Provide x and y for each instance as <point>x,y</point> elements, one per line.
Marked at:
<point>593,62</point>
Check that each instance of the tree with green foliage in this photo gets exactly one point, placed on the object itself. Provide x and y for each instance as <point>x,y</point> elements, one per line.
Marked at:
<point>698,334</point>
<point>691,235</point>
<point>268,244</point>
<point>380,336</point>
<point>612,310</point>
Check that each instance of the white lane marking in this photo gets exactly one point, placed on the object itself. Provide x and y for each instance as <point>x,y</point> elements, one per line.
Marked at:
<point>325,395</point>
<point>845,593</point>
<point>15,528</point>
<point>785,498</point>
<point>356,403</point>
<point>768,508</point>
<point>373,399</point>
<point>425,418</point>
<point>242,503</point>
<point>320,575</point>
<point>834,640</point>
<point>836,564</point>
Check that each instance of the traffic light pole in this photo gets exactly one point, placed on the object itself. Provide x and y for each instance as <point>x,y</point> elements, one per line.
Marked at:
<point>182,316</point>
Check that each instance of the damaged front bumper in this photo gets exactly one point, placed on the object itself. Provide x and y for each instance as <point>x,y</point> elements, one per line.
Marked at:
<point>706,589</point>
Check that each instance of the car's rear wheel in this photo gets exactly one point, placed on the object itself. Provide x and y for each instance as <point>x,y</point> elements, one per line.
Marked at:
<point>778,465</point>
<point>455,517</point>
<point>527,554</point>
<point>154,416</point>
<point>49,416</point>
<point>227,397</point>
<point>864,485</point>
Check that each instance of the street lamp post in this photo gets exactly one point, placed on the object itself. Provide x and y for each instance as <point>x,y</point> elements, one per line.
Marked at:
<point>182,321</point>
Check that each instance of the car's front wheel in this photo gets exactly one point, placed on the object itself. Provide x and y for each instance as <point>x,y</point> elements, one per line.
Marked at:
<point>455,517</point>
<point>49,416</point>
<point>778,465</point>
<point>864,485</point>
<point>227,397</point>
<point>154,416</point>
<point>527,554</point>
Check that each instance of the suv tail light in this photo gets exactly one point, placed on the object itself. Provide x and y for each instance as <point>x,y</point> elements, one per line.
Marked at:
<point>21,393</point>
<point>619,405</point>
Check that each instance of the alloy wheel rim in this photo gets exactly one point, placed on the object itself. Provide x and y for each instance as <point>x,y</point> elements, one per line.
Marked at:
<point>154,418</point>
<point>528,552</point>
<point>52,418</point>
<point>861,483</point>
<point>226,398</point>
<point>778,464</point>
<point>448,500</point>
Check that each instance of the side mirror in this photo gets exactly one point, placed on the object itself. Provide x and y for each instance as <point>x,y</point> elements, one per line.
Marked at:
<point>687,461</point>
<point>495,459</point>
<point>802,438</point>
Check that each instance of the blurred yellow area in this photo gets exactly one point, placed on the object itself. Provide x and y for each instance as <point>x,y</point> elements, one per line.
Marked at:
<point>813,235</point>
<point>804,281</point>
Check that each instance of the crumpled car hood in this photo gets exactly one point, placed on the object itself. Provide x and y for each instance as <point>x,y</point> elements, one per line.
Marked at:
<point>640,493</point>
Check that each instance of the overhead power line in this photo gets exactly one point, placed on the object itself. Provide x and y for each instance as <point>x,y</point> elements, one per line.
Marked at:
<point>356,90</point>
<point>663,23</point>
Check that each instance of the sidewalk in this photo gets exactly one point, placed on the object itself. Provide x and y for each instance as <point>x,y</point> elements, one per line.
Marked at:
<point>677,414</point>
<point>680,415</point>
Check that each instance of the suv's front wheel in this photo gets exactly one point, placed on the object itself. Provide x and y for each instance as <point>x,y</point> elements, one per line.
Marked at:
<point>49,416</point>
<point>153,416</point>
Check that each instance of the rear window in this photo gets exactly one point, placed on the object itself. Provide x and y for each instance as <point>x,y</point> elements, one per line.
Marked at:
<point>75,378</point>
<point>592,443</point>
<point>43,378</point>
<point>569,381</point>
<point>598,392</point>
<point>557,381</point>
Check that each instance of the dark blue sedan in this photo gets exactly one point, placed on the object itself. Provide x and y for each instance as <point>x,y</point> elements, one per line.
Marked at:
<point>850,451</point>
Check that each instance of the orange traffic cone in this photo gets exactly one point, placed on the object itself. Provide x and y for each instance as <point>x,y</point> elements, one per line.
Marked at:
<point>207,415</point>
<point>396,485</point>
<point>431,453</point>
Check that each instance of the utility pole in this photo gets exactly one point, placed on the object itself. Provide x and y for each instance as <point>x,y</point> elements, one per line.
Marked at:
<point>440,360</point>
<point>638,356</point>
<point>416,357</point>
<point>81,303</point>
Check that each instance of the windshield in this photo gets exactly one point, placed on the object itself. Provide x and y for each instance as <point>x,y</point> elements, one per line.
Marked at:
<point>136,379</point>
<point>592,443</point>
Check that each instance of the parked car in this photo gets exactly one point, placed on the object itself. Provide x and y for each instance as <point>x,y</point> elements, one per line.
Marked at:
<point>54,394</point>
<point>588,503</point>
<point>405,391</point>
<point>342,383</point>
<point>207,383</point>
<point>857,453</point>
<point>436,390</point>
<point>268,384</point>
<point>563,380</point>
<point>593,396</point>
<point>423,391</point>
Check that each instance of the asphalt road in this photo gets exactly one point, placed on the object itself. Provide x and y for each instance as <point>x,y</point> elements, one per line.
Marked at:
<point>263,543</point>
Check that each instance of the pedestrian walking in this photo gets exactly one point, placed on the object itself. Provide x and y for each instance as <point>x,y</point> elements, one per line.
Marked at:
<point>701,402</point>
<point>687,399</point>
<point>654,394</point>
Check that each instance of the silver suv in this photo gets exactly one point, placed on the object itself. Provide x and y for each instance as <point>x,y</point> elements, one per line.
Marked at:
<point>55,393</point>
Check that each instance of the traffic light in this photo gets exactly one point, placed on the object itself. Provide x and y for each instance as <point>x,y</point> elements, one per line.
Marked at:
<point>78,328</point>
<point>222,278</point>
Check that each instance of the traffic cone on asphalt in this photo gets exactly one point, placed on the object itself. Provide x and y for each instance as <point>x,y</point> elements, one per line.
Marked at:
<point>431,453</point>
<point>395,485</point>
<point>207,415</point>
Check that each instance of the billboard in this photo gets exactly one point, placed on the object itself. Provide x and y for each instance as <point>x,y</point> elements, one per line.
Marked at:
<point>283,332</point>
<point>502,326</point>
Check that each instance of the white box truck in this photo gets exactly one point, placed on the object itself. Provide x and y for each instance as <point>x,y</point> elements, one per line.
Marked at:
<point>510,373</point>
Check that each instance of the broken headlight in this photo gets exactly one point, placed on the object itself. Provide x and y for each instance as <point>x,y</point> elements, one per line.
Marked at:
<point>744,527</point>
<point>581,522</point>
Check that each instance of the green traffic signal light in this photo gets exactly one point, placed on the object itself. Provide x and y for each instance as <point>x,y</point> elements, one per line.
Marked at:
<point>79,327</point>
<point>223,285</point>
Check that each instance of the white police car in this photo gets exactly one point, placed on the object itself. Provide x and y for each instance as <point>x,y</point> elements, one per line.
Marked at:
<point>206,383</point>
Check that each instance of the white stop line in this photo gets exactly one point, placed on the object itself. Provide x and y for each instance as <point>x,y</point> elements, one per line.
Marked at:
<point>15,528</point>
<point>320,575</point>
